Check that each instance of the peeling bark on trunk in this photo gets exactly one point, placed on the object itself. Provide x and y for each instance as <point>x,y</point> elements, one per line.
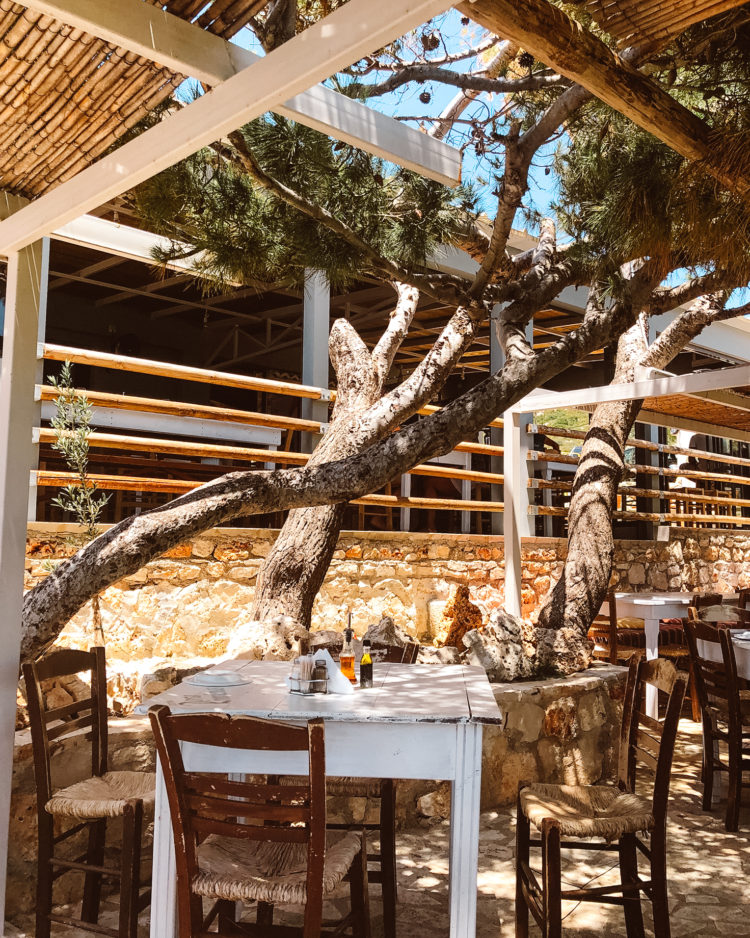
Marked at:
<point>580,591</point>
<point>577,596</point>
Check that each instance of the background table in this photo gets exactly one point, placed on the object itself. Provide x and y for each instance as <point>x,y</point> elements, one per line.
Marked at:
<point>652,607</point>
<point>417,721</point>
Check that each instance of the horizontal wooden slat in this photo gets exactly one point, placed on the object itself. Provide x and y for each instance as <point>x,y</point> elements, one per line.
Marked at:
<point>150,405</point>
<point>145,366</point>
<point>652,516</point>
<point>62,729</point>
<point>59,713</point>
<point>179,486</point>
<point>203,804</point>
<point>251,454</point>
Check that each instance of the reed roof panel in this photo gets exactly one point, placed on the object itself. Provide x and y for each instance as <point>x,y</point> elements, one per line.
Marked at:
<point>67,96</point>
<point>653,23</point>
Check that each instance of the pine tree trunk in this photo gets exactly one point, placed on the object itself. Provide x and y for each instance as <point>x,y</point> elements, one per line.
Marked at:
<point>298,561</point>
<point>579,593</point>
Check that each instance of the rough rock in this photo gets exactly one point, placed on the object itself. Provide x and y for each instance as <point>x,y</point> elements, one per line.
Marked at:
<point>277,639</point>
<point>428,654</point>
<point>326,638</point>
<point>503,648</point>
<point>435,804</point>
<point>157,681</point>
<point>459,617</point>
<point>386,632</point>
<point>563,650</point>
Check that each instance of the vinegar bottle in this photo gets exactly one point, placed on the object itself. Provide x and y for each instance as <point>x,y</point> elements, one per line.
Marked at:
<point>346,658</point>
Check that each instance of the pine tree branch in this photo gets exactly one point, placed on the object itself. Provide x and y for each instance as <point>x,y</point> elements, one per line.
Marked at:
<point>243,156</point>
<point>499,63</point>
<point>472,82</point>
<point>511,325</point>
<point>704,311</point>
<point>396,331</point>
<point>665,299</point>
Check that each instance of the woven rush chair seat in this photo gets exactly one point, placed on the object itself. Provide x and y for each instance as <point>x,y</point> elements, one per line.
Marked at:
<point>344,785</point>
<point>243,871</point>
<point>104,796</point>
<point>353,787</point>
<point>587,810</point>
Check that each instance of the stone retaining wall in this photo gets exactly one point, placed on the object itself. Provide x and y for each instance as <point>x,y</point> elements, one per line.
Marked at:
<point>183,608</point>
<point>561,730</point>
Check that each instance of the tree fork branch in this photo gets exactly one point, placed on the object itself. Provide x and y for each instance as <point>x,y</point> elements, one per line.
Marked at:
<point>129,545</point>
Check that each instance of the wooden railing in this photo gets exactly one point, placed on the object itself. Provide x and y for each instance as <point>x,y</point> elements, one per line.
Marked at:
<point>700,507</point>
<point>133,444</point>
<point>677,504</point>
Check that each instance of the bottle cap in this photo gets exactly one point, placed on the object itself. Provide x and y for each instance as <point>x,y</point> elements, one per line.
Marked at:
<point>348,634</point>
<point>367,642</point>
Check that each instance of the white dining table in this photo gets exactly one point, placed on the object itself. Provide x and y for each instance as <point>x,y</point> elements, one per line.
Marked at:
<point>652,607</point>
<point>416,722</point>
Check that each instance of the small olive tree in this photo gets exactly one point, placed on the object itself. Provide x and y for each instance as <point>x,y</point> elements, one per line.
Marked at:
<point>82,499</point>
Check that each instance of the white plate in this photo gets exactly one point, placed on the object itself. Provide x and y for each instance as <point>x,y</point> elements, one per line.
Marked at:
<point>216,678</point>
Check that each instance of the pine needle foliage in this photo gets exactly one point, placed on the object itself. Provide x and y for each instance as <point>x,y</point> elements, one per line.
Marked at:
<point>243,232</point>
<point>624,195</point>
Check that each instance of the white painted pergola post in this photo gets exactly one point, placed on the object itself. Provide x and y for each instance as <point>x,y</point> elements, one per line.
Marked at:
<point>316,326</point>
<point>39,373</point>
<point>497,360</point>
<point>17,408</point>
<point>516,444</point>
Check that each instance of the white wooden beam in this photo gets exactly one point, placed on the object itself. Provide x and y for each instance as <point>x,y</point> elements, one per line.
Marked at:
<point>349,33</point>
<point>691,384</point>
<point>22,297</point>
<point>182,47</point>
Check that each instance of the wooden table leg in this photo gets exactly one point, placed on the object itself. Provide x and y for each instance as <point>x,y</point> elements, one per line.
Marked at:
<point>464,844</point>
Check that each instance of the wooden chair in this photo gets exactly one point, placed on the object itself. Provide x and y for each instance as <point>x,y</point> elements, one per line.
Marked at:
<point>238,841</point>
<point>88,803</point>
<point>613,815</point>
<point>615,640</point>
<point>725,709</point>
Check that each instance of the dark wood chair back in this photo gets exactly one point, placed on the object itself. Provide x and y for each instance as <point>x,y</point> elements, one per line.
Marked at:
<point>645,742</point>
<point>704,600</point>
<point>50,724</point>
<point>743,599</point>
<point>396,654</point>
<point>203,803</point>
<point>605,623</point>
<point>715,680</point>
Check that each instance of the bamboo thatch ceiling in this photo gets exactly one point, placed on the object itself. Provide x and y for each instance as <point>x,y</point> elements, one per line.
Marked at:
<point>653,22</point>
<point>718,413</point>
<point>66,97</point>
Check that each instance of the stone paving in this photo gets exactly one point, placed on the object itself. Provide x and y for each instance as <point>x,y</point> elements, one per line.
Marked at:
<point>708,872</point>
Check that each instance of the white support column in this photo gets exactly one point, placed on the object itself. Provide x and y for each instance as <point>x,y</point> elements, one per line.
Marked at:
<point>22,300</point>
<point>497,360</point>
<point>39,375</point>
<point>405,518</point>
<point>315,329</point>
<point>516,506</point>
